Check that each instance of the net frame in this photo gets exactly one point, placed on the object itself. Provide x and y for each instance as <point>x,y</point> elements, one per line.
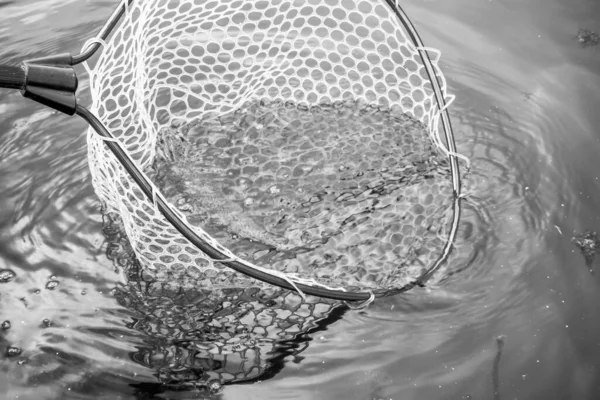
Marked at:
<point>127,157</point>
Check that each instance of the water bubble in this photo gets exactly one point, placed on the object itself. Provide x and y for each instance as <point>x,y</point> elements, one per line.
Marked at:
<point>305,237</point>
<point>6,275</point>
<point>37,291</point>
<point>6,325</point>
<point>84,292</point>
<point>214,386</point>
<point>51,285</point>
<point>47,323</point>
<point>12,351</point>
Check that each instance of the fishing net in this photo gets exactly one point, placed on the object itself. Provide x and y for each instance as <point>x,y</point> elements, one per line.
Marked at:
<point>299,139</point>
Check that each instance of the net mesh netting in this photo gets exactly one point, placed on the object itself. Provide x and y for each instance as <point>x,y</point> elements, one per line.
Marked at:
<point>300,137</point>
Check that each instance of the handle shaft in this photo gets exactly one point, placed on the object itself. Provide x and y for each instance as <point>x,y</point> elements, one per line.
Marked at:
<point>12,77</point>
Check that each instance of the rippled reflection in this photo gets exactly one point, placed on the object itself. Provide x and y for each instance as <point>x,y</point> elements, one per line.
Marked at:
<point>207,338</point>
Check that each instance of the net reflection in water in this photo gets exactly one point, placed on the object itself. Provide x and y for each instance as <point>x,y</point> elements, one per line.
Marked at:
<point>207,338</point>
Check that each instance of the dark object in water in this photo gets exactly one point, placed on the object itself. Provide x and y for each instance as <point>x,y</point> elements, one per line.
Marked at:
<point>496,370</point>
<point>588,244</point>
<point>587,38</point>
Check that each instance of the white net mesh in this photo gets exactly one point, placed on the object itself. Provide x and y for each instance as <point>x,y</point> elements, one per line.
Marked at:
<point>173,64</point>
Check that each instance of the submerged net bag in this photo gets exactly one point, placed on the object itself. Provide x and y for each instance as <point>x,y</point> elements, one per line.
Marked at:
<point>299,142</point>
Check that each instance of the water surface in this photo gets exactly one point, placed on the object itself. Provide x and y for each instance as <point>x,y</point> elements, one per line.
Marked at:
<point>526,115</point>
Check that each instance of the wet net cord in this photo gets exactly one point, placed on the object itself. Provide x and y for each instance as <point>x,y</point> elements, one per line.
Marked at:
<point>410,29</point>
<point>104,33</point>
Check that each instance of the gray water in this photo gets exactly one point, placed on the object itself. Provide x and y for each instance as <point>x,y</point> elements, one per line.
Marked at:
<point>526,115</point>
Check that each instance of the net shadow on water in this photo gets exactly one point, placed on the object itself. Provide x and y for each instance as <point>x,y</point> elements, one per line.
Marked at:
<point>203,339</point>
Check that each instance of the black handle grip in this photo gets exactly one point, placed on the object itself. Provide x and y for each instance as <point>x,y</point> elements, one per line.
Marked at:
<point>12,77</point>
<point>53,85</point>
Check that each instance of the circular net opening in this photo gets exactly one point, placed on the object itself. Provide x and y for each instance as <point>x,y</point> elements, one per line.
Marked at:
<point>296,137</point>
